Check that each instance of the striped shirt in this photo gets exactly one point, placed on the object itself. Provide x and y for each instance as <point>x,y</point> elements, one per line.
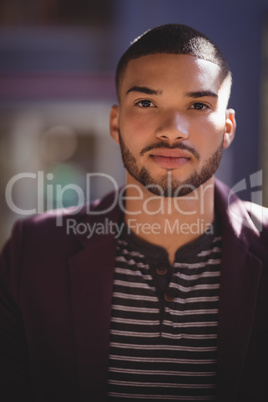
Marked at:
<point>164,321</point>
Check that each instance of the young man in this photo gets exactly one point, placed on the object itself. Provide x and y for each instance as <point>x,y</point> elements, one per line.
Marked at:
<point>173,308</point>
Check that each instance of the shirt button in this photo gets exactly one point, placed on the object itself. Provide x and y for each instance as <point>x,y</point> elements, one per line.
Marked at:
<point>169,296</point>
<point>161,271</point>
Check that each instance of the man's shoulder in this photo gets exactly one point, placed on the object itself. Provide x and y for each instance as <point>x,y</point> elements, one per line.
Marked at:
<point>259,216</point>
<point>254,229</point>
<point>228,201</point>
<point>97,207</point>
<point>257,212</point>
<point>55,223</point>
<point>245,220</point>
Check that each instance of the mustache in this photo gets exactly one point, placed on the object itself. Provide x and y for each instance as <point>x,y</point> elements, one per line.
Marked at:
<point>162,145</point>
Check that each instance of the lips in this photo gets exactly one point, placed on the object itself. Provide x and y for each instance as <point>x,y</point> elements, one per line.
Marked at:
<point>170,158</point>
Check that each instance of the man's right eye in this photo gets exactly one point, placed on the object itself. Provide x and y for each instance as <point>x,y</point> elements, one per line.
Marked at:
<point>145,103</point>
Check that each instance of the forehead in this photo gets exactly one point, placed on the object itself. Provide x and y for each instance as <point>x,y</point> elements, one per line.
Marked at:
<point>174,70</point>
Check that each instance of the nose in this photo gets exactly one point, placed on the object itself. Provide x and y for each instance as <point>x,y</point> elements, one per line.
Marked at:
<point>173,127</point>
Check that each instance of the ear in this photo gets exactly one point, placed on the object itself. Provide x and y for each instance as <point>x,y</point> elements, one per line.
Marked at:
<point>230,126</point>
<point>114,123</point>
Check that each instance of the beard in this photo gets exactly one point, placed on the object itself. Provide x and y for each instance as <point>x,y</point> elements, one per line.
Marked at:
<point>168,185</point>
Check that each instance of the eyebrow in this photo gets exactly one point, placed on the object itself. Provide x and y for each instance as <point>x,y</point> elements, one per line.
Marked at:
<point>144,90</point>
<point>193,94</point>
<point>201,94</point>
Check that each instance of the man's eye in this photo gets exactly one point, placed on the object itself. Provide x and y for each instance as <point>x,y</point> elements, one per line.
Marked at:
<point>199,106</point>
<point>145,103</point>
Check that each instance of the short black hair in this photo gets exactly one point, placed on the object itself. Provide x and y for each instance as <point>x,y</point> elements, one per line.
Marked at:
<point>173,39</point>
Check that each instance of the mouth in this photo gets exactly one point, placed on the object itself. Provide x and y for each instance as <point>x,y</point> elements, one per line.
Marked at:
<point>170,158</point>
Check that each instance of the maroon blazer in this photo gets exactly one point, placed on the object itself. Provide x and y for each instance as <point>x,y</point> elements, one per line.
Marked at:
<point>55,303</point>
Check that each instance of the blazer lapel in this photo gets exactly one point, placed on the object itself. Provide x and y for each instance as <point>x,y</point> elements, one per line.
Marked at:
<point>240,279</point>
<point>91,273</point>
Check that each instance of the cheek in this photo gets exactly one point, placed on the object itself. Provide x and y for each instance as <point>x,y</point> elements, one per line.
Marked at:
<point>207,136</point>
<point>140,122</point>
<point>211,128</point>
<point>132,132</point>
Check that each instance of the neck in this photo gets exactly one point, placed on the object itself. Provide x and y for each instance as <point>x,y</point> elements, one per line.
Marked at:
<point>169,222</point>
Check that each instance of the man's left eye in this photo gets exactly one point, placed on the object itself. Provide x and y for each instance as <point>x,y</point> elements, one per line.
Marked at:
<point>199,106</point>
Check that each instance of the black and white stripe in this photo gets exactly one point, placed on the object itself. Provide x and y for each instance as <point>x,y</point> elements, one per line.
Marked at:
<point>165,350</point>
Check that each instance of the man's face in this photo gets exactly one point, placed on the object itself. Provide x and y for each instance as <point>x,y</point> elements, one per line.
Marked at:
<point>172,123</point>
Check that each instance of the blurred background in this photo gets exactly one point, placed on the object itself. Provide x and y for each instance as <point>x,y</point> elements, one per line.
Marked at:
<point>57,63</point>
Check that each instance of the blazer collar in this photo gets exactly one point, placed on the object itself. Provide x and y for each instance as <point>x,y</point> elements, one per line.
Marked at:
<point>101,216</point>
